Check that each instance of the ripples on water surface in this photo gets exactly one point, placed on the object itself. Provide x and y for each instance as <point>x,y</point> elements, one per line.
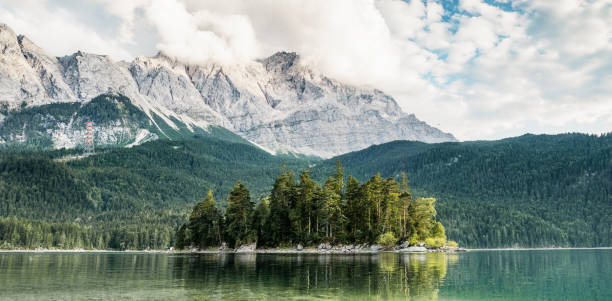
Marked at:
<point>477,275</point>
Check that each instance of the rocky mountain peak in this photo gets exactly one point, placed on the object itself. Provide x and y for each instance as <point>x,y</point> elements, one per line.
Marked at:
<point>9,46</point>
<point>278,102</point>
<point>281,61</point>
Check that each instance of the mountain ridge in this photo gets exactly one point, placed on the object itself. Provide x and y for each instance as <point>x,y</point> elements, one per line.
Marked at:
<point>276,102</point>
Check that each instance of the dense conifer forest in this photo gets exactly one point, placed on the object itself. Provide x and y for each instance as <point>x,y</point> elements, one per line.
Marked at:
<point>528,191</point>
<point>303,212</point>
<point>127,198</point>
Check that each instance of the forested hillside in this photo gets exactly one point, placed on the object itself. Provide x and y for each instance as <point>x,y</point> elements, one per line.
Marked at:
<point>123,198</point>
<point>527,191</point>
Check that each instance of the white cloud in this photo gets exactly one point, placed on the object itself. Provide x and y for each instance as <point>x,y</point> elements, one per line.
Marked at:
<point>478,71</point>
<point>202,36</point>
<point>56,29</point>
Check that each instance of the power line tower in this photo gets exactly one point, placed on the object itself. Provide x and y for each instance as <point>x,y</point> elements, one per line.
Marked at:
<point>89,137</point>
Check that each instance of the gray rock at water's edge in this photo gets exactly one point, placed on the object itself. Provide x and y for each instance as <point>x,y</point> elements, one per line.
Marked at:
<point>414,249</point>
<point>247,248</point>
<point>361,246</point>
<point>375,247</point>
<point>299,247</point>
<point>324,246</point>
<point>404,245</point>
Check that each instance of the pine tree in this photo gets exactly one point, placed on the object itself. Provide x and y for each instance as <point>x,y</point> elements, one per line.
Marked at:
<point>405,199</point>
<point>334,219</point>
<point>260,217</point>
<point>306,206</point>
<point>354,208</point>
<point>205,223</point>
<point>279,227</point>
<point>238,215</point>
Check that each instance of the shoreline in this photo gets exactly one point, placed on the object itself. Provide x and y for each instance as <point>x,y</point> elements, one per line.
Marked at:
<point>290,251</point>
<point>239,251</point>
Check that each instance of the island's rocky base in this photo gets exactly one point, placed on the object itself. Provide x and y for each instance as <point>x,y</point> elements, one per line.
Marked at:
<point>326,248</point>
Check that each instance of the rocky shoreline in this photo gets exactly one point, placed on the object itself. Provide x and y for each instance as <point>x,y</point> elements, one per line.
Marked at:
<point>327,249</point>
<point>252,248</point>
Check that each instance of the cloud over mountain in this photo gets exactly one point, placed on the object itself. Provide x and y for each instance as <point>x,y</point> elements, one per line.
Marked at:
<point>481,69</point>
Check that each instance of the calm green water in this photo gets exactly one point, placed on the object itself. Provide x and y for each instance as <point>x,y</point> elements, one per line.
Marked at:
<point>476,275</point>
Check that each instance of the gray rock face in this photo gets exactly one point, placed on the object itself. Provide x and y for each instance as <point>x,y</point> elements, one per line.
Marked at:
<point>278,102</point>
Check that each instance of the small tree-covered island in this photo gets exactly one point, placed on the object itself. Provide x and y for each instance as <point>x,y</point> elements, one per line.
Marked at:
<point>379,214</point>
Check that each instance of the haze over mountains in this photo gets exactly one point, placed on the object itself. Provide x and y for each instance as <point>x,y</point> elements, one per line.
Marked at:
<point>278,103</point>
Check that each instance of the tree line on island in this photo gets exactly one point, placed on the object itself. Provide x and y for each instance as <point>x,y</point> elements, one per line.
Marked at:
<point>379,211</point>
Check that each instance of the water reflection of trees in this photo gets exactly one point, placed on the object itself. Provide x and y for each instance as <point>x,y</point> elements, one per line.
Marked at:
<point>387,276</point>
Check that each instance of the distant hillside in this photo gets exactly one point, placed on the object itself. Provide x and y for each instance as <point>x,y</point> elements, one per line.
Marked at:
<point>122,194</point>
<point>525,191</point>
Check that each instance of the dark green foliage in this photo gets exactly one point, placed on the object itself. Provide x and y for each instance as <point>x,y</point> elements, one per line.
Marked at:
<point>524,191</point>
<point>21,233</point>
<point>278,227</point>
<point>528,191</point>
<point>309,199</point>
<point>135,195</point>
<point>205,225</point>
<point>238,216</point>
<point>108,108</point>
<point>53,187</point>
<point>307,214</point>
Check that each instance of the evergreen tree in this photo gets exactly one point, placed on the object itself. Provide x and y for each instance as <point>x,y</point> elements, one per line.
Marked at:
<point>205,223</point>
<point>260,217</point>
<point>279,226</point>
<point>334,218</point>
<point>354,208</point>
<point>238,216</point>
<point>306,207</point>
<point>405,200</point>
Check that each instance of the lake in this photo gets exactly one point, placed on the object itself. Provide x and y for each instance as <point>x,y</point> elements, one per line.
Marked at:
<point>578,274</point>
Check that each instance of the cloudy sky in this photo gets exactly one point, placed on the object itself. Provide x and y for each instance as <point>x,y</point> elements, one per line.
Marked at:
<point>478,69</point>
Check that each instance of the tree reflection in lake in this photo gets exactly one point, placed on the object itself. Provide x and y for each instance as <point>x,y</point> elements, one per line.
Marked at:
<point>478,275</point>
<point>387,276</point>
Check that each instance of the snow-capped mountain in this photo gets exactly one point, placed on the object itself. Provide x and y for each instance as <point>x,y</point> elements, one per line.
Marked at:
<point>277,103</point>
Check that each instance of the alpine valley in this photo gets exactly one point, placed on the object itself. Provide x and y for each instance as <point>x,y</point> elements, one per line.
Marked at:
<point>166,132</point>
